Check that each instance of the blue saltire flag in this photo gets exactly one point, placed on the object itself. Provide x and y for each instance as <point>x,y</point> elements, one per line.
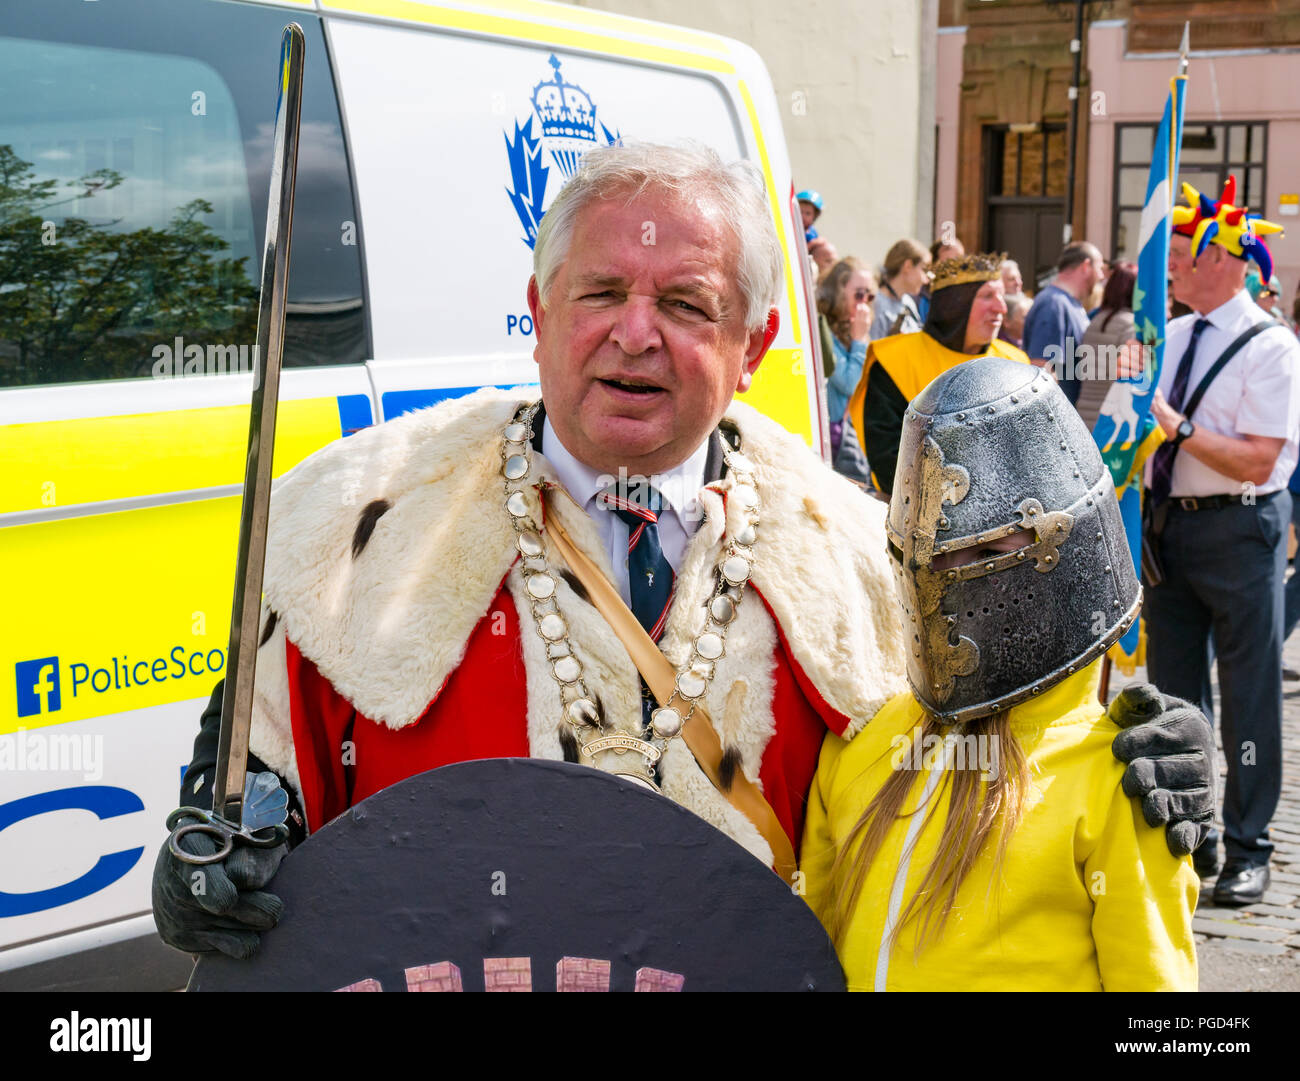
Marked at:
<point>1125,430</point>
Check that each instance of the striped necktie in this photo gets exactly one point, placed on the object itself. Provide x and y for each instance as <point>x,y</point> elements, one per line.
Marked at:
<point>650,575</point>
<point>1162,461</point>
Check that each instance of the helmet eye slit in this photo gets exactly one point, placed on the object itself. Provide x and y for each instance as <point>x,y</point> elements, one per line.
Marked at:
<point>987,552</point>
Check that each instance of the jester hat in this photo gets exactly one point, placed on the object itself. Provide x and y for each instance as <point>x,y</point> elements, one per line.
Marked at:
<point>1233,228</point>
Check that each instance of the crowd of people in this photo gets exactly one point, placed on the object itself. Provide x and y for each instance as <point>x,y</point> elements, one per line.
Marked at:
<point>1218,502</point>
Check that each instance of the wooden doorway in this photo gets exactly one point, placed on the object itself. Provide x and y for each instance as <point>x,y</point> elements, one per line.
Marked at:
<point>1024,196</point>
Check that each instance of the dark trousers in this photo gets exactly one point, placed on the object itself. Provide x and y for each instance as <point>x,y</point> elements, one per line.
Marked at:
<point>1224,574</point>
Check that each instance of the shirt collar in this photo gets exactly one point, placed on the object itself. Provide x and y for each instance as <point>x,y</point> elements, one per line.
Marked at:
<point>678,487</point>
<point>1231,309</point>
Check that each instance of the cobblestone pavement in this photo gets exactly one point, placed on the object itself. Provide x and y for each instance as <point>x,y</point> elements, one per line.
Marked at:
<point>1257,948</point>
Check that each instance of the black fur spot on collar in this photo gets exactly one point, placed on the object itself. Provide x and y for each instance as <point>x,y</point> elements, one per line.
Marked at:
<point>366,524</point>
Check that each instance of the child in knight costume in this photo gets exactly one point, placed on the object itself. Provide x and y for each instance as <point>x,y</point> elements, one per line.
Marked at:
<point>975,835</point>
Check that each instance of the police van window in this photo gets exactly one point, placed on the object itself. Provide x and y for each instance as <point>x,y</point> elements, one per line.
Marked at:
<point>135,152</point>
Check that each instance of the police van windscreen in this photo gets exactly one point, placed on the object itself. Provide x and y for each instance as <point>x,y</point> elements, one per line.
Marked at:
<point>135,150</point>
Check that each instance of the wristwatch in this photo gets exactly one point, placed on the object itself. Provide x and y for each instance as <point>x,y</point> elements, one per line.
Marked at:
<point>1185,429</point>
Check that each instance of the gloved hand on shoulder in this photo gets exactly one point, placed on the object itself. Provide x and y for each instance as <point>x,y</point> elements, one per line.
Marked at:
<point>1168,745</point>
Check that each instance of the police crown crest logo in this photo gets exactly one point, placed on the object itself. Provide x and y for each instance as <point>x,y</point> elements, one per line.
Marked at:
<point>558,133</point>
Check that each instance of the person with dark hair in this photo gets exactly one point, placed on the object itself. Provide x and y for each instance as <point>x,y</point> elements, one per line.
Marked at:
<point>1110,328</point>
<point>946,247</point>
<point>1058,319</point>
<point>966,310</point>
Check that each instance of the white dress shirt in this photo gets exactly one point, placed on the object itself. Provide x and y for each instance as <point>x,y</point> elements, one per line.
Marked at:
<point>678,519</point>
<point>1258,393</point>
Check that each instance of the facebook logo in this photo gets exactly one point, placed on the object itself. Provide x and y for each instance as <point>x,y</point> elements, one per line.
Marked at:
<point>38,686</point>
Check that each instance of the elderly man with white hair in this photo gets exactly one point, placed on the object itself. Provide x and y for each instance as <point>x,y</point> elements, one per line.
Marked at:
<point>1013,285</point>
<point>510,554</point>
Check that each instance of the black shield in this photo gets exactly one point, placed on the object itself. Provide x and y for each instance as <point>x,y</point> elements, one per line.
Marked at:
<point>520,874</point>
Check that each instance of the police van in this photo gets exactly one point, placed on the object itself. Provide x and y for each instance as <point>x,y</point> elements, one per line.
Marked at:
<point>135,147</point>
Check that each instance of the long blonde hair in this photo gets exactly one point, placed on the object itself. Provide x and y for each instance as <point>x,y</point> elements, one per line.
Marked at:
<point>979,813</point>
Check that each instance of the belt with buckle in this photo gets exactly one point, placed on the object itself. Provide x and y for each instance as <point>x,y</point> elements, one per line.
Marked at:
<point>1217,502</point>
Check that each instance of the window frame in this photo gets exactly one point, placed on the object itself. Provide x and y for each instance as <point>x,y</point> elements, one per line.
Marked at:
<point>38,25</point>
<point>1223,167</point>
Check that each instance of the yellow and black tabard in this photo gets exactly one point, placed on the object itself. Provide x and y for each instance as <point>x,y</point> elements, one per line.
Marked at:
<point>1088,897</point>
<point>912,362</point>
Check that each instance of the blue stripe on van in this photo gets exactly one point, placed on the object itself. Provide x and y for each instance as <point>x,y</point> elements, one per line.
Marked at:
<point>397,402</point>
<point>354,413</point>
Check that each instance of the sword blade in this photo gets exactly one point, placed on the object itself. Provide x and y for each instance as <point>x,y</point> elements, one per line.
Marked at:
<point>245,616</point>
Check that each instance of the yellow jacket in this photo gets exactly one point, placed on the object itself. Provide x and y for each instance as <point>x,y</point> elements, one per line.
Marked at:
<point>1089,897</point>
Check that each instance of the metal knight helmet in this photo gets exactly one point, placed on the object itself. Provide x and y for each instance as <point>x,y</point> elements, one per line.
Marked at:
<point>1006,538</point>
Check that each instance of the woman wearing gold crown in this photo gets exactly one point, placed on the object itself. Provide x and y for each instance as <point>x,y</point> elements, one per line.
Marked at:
<point>966,311</point>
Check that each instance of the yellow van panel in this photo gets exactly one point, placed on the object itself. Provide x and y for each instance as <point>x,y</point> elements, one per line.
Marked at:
<point>59,463</point>
<point>132,607</point>
<point>532,32</point>
<point>778,215</point>
<point>780,391</point>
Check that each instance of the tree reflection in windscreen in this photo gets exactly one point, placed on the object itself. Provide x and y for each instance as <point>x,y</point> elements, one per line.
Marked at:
<point>83,297</point>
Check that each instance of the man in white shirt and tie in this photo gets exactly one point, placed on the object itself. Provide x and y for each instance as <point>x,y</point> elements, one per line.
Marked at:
<point>1219,507</point>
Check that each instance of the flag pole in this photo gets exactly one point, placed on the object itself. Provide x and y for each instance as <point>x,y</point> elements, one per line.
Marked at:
<point>1175,143</point>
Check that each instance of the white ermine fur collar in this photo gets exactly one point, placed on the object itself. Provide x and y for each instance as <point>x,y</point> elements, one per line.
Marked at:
<point>422,499</point>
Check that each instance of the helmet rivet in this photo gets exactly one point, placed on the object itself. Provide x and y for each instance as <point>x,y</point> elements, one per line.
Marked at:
<point>1090,501</point>
<point>1020,555</point>
<point>992,410</point>
<point>1108,570</point>
<point>1049,415</point>
<point>952,574</point>
<point>1014,398</point>
<point>1076,472</point>
<point>988,566</point>
<point>1099,535</point>
<point>1047,559</point>
<point>1063,446</point>
<point>961,416</point>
